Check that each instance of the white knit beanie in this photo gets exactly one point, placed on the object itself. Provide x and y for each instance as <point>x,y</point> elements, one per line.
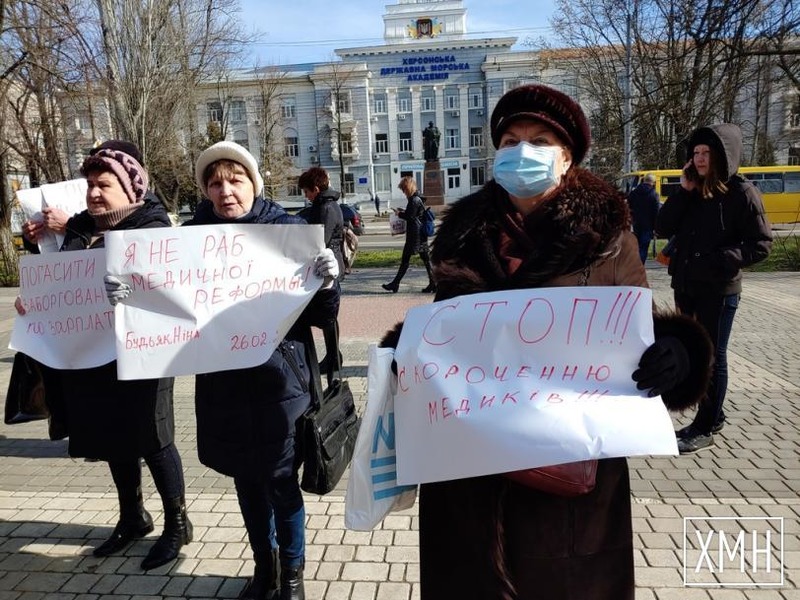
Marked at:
<point>228,151</point>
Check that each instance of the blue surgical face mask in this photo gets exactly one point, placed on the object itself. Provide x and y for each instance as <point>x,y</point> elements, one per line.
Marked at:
<point>525,170</point>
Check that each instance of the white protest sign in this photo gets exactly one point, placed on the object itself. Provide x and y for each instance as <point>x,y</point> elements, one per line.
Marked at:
<point>502,381</point>
<point>69,196</point>
<point>209,298</point>
<point>68,321</point>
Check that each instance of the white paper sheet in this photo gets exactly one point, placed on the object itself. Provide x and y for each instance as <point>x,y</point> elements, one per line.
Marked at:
<point>502,381</point>
<point>209,298</point>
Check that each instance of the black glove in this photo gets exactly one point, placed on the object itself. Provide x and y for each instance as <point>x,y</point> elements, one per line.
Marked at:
<point>663,366</point>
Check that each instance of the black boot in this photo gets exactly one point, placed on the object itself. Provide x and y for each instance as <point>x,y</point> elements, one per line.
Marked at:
<point>177,532</point>
<point>134,522</point>
<point>292,584</point>
<point>391,287</point>
<point>431,289</point>
<point>264,583</point>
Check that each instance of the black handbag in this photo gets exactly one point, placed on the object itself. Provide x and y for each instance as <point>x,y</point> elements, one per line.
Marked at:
<point>327,431</point>
<point>25,399</point>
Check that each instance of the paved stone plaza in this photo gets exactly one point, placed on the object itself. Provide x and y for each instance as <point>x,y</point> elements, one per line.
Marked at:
<point>54,510</point>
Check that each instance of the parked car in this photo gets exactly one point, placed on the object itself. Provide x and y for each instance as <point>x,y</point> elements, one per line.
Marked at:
<point>350,215</point>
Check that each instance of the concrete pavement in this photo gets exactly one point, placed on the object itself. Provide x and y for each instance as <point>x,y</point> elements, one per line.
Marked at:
<point>54,510</point>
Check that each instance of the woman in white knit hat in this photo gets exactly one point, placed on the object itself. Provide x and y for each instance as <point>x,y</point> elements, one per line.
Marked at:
<point>246,418</point>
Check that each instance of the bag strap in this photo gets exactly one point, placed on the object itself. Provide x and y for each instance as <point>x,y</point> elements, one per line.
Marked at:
<point>333,371</point>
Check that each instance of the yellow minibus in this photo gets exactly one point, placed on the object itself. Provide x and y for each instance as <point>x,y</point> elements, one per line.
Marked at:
<point>779,187</point>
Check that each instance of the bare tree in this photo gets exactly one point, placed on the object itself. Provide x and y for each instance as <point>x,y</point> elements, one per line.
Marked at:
<point>270,123</point>
<point>339,79</point>
<point>156,52</point>
<point>687,66</point>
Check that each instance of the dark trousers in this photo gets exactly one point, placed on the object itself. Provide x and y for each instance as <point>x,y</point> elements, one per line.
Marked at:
<point>165,467</point>
<point>274,509</point>
<point>715,313</point>
<point>405,259</point>
<point>645,238</point>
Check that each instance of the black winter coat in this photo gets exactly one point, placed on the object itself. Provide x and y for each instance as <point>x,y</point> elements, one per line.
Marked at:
<point>416,238</point>
<point>246,417</point>
<point>325,210</point>
<point>644,205</point>
<point>494,539</point>
<point>107,418</point>
<point>716,237</point>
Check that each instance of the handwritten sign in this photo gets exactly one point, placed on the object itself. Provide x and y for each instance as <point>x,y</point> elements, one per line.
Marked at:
<point>68,321</point>
<point>497,382</point>
<point>209,298</point>
<point>69,196</point>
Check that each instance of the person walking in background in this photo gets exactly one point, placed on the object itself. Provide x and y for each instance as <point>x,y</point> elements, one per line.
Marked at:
<point>324,210</point>
<point>644,204</point>
<point>542,222</point>
<point>377,201</point>
<point>416,236</point>
<point>121,421</point>
<point>246,417</point>
<point>718,221</point>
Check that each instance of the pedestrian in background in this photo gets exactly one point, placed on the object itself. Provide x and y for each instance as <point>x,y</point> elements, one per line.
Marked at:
<point>325,210</point>
<point>246,417</point>
<point>542,222</point>
<point>377,201</point>
<point>416,236</point>
<point>644,204</point>
<point>122,421</point>
<point>719,227</point>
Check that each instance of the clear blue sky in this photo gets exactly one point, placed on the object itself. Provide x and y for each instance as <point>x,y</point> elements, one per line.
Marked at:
<point>297,31</point>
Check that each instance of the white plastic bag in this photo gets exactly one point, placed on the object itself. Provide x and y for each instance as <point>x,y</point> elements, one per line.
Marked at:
<point>372,490</point>
<point>397,225</point>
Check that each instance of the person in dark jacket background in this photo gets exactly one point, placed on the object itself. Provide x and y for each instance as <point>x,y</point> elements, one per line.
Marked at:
<point>121,421</point>
<point>324,210</point>
<point>718,220</point>
<point>246,417</point>
<point>644,205</point>
<point>416,236</point>
<point>543,221</point>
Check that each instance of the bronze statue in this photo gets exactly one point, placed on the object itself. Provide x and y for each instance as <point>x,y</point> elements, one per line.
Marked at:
<point>430,142</point>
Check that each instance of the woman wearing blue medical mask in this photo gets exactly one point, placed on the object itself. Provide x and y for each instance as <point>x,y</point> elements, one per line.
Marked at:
<point>543,221</point>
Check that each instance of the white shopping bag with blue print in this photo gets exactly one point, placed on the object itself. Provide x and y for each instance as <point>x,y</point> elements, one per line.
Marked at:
<point>372,490</point>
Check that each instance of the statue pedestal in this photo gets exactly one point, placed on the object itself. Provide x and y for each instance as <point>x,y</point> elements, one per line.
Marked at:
<point>432,184</point>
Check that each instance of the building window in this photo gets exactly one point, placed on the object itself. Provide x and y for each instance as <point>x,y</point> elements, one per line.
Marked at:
<point>453,178</point>
<point>477,175</point>
<point>214,112</point>
<point>347,143</point>
<point>406,144</point>
<point>452,139</point>
<point>238,111</point>
<point>343,102</point>
<point>290,148</point>
<point>794,159</point>
<point>383,180</point>
<point>428,103</point>
<point>794,113</point>
<point>403,105</point>
<point>382,143</point>
<point>292,189</point>
<point>475,99</point>
<point>240,137</point>
<point>380,105</point>
<point>476,137</point>
<point>83,120</point>
<point>349,183</point>
<point>569,85</point>
<point>289,107</point>
<point>451,102</point>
